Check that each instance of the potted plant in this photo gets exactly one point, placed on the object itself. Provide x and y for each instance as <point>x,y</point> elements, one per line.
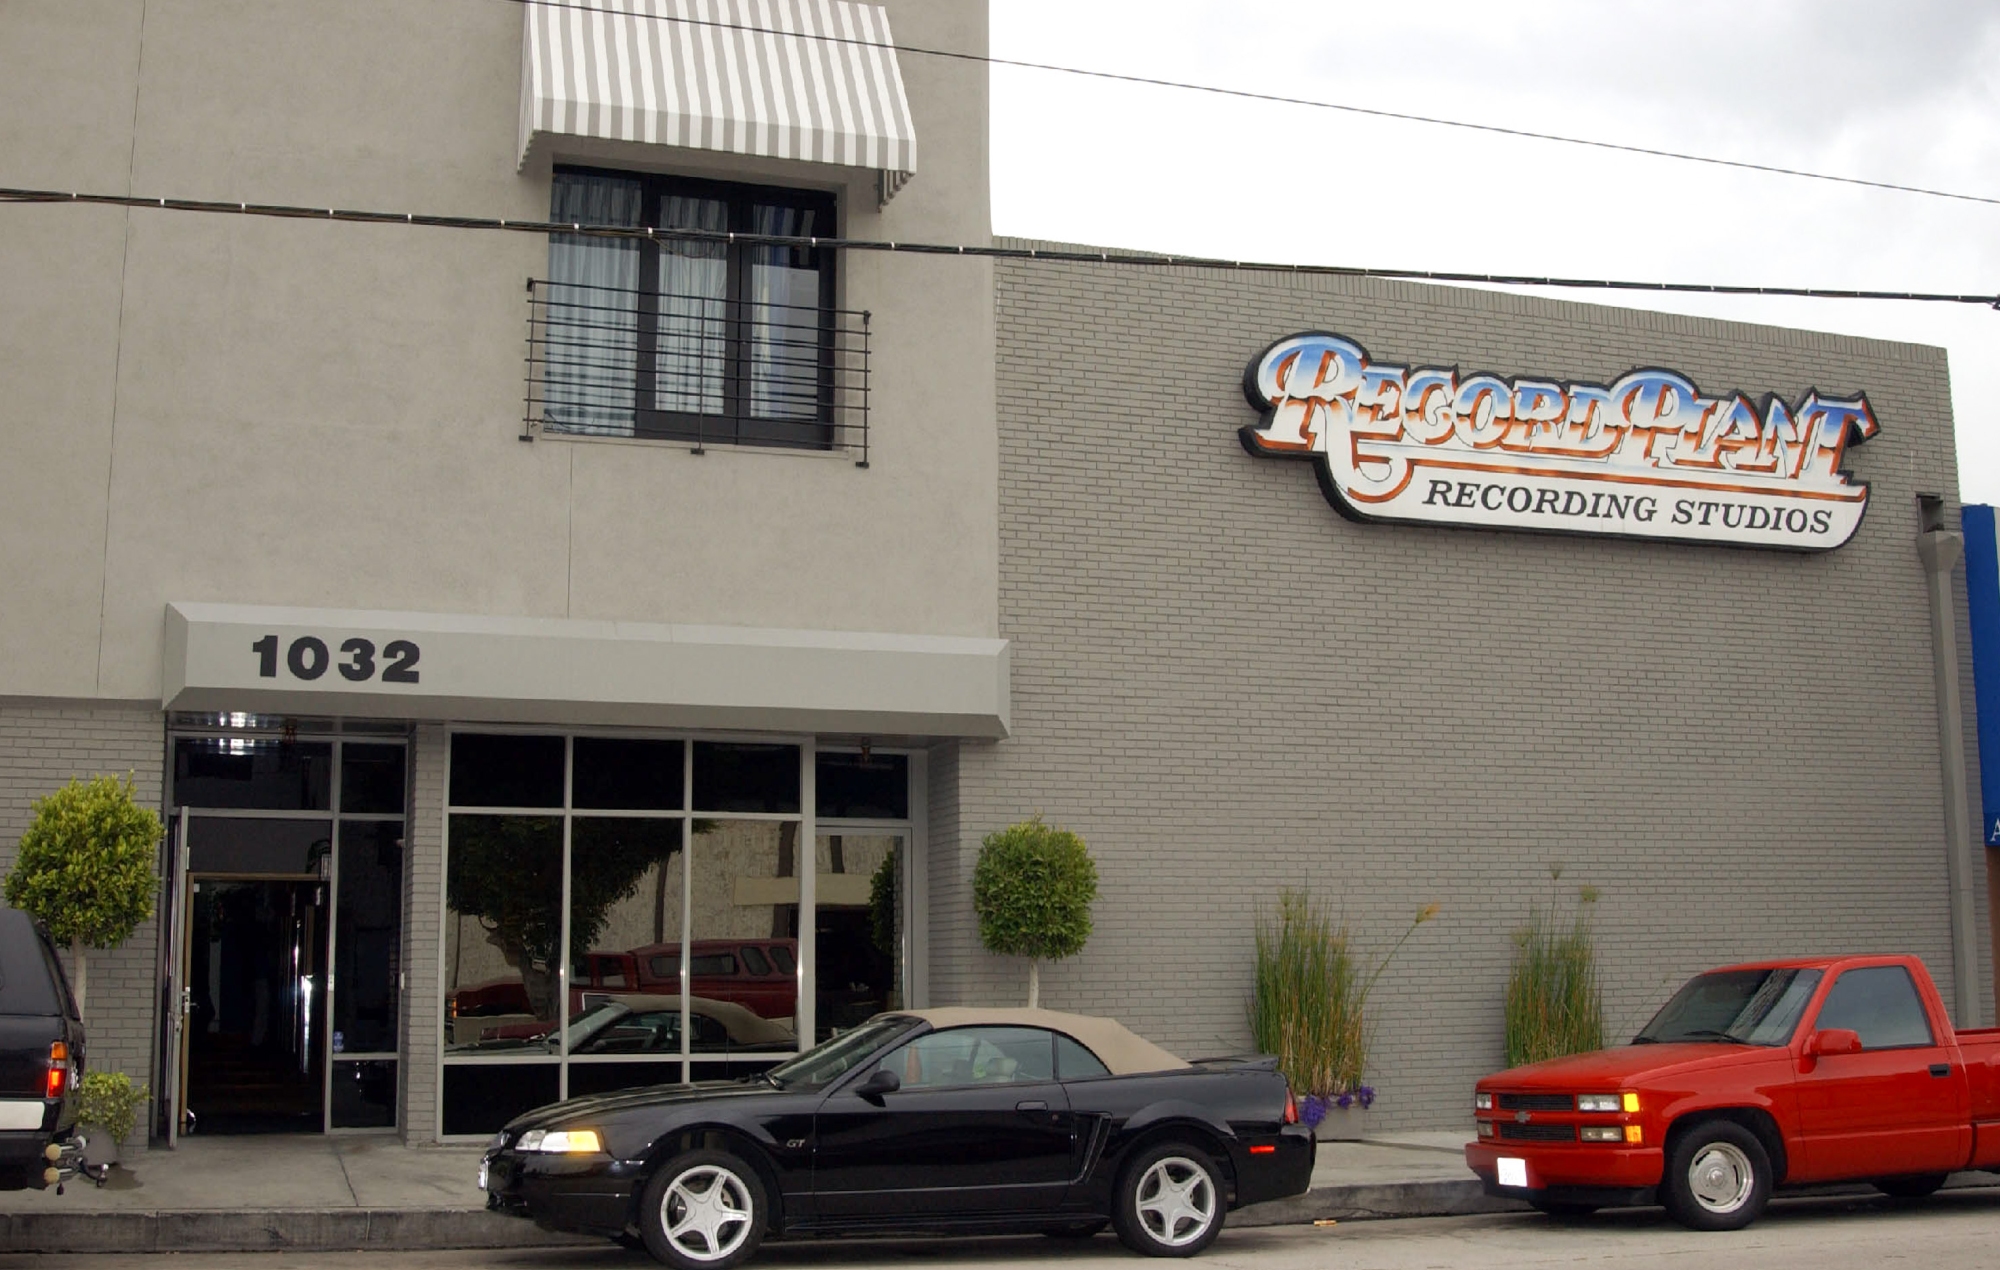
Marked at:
<point>1032,888</point>
<point>108,1106</point>
<point>1309,1008</point>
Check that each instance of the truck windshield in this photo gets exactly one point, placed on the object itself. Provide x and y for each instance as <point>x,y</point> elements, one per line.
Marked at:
<point>1746,1007</point>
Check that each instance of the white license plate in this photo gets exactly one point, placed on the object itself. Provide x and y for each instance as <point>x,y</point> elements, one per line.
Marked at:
<point>1513,1172</point>
<point>484,1165</point>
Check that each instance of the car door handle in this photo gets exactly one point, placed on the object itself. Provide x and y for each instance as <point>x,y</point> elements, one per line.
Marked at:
<point>1032,1106</point>
<point>1940,1069</point>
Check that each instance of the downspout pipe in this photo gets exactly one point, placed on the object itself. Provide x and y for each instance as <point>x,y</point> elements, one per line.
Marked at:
<point>1940,549</point>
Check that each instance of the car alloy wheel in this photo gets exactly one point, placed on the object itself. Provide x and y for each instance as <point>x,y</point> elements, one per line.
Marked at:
<point>1170,1204</point>
<point>703,1211</point>
<point>1718,1177</point>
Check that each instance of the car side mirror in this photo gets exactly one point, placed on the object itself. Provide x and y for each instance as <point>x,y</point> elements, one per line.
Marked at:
<point>1831,1041</point>
<point>880,1081</point>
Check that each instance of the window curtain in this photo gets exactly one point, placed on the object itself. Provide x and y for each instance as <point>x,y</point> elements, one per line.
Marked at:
<point>592,309</point>
<point>692,357</point>
<point>784,318</point>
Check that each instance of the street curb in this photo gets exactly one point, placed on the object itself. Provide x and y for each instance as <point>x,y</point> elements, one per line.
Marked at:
<point>1377,1201</point>
<point>435,1229</point>
<point>414,1230</point>
<point>273,1230</point>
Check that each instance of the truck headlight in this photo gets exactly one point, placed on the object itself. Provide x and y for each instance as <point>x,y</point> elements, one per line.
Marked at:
<point>1598,1102</point>
<point>1602,1133</point>
<point>1482,1102</point>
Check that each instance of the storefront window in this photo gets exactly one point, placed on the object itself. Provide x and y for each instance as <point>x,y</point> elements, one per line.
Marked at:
<point>626,911</point>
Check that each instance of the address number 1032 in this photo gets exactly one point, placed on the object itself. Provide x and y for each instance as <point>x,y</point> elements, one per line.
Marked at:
<point>308,657</point>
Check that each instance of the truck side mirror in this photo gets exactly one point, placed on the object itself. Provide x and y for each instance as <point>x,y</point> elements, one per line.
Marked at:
<point>1829,1042</point>
<point>880,1081</point>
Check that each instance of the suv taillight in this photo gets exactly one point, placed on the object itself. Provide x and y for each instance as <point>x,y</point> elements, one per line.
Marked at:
<point>1291,1107</point>
<point>58,1070</point>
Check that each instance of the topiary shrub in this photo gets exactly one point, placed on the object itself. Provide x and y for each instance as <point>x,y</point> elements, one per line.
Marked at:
<point>86,867</point>
<point>1032,888</point>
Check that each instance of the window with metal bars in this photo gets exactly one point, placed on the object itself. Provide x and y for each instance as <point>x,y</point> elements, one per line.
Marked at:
<point>694,339</point>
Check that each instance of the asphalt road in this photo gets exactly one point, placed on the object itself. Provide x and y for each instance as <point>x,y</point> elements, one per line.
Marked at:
<point>1956,1229</point>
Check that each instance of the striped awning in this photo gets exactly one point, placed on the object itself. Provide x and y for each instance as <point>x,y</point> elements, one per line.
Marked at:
<point>786,79</point>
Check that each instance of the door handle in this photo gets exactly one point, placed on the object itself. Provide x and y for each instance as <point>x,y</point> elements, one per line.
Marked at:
<point>1031,1106</point>
<point>1940,1069</point>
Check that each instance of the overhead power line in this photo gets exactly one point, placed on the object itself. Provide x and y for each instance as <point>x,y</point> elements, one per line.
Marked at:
<point>1279,99</point>
<point>1051,255</point>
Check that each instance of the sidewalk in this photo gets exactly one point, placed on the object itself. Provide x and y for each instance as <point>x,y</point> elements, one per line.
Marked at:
<point>220,1194</point>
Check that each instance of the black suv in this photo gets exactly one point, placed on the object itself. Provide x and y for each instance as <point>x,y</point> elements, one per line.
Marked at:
<point>41,1058</point>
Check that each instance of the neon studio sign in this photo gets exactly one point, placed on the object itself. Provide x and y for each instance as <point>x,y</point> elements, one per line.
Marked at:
<point>1647,456</point>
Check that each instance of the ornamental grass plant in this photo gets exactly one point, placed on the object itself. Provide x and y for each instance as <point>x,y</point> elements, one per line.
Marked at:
<point>1554,1004</point>
<point>1309,1003</point>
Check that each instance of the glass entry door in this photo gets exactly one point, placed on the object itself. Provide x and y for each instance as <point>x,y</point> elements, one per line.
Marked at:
<point>287,930</point>
<point>256,1024</point>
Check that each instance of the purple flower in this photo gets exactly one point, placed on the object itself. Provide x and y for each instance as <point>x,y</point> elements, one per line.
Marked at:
<point>1345,1100</point>
<point>1312,1110</point>
<point>1366,1096</point>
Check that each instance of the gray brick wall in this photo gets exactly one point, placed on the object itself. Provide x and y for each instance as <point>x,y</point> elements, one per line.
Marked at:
<point>1228,689</point>
<point>423,927</point>
<point>43,745</point>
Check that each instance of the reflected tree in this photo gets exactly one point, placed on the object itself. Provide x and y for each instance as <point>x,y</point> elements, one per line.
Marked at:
<point>506,871</point>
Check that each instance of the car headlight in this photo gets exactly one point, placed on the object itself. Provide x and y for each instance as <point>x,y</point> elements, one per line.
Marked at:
<point>1482,1102</point>
<point>561,1141</point>
<point>1597,1102</point>
<point>496,1142</point>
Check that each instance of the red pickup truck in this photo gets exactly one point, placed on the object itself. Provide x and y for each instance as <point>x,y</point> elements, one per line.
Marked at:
<point>1778,1073</point>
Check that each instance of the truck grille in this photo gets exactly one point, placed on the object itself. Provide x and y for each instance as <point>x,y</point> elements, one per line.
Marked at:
<point>1537,1132</point>
<point>1537,1102</point>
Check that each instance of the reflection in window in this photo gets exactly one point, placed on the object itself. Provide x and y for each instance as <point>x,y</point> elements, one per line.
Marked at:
<point>744,895</point>
<point>503,928</point>
<point>625,900</point>
<point>859,929</point>
<point>1881,1004</point>
<point>1074,1062</point>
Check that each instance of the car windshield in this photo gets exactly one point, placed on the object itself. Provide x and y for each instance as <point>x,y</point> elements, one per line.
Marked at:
<point>1747,1007</point>
<point>823,1063</point>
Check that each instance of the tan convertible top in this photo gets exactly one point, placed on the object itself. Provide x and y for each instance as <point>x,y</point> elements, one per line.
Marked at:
<point>1122,1052</point>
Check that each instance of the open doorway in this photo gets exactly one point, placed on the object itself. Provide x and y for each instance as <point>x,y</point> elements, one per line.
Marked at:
<point>257,1004</point>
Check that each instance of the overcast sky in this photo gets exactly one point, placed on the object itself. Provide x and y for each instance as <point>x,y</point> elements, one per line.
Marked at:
<point>1893,90</point>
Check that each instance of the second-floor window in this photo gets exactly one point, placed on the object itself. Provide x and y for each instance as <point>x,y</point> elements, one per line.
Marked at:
<point>703,341</point>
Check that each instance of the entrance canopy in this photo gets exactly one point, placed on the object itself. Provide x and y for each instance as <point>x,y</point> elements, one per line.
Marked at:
<point>348,662</point>
<point>814,80</point>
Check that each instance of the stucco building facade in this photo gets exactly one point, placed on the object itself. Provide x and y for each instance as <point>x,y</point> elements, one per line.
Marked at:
<point>511,625</point>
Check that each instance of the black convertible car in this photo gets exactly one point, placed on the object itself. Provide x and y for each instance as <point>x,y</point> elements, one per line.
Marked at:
<point>953,1120</point>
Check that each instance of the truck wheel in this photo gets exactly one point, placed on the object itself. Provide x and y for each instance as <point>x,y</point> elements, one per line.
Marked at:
<point>1169,1202</point>
<point>704,1210</point>
<point>1916,1186</point>
<point>1718,1177</point>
